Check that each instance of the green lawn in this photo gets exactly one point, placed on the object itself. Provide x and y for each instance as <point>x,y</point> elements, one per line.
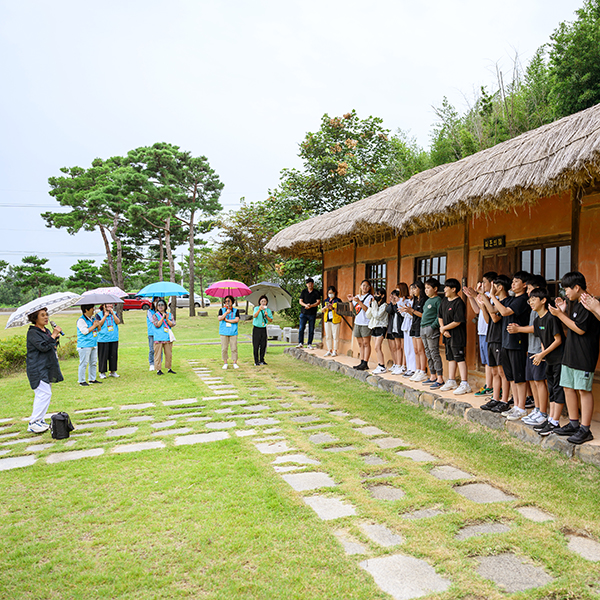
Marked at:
<point>214,520</point>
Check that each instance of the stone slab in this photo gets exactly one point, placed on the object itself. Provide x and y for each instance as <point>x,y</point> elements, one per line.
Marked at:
<point>389,443</point>
<point>93,420</point>
<point>176,431</point>
<point>4,452</point>
<point>483,529</point>
<point>321,438</point>
<point>197,419</point>
<point>386,492</point>
<point>273,447</point>
<point>141,419</point>
<point>381,535</point>
<point>138,406</point>
<point>511,573</point>
<point>256,407</point>
<point>201,438</point>
<point>337,449</point>
<point>287,469</point>
<point>16,462</point>
<point>483,493</point>
<point>164,424</point>
<point>448,473</point>
<point>371,459</point>
<point>286,404</point>
<point>286,387</point>
<point>370,430</point>
<point>38,447</point>
<point>404,577</point>
<point>246,432</point>
<point>259,422</point>
<point>97,425</point>
<point>8,420</point>
<point>417,455</point>
<point>121,431</point>
<point>70,443</point>
<point>320,404</point>
<point>82,411</point>
<point>126,448</point>
<point>585,547</point>
<point>182,402</point>
<point>223,393</point>
<point>74,455</point>
<point>351,545</point>
<point>234,402</point>
<point>328,508</point>
<point>22,440</point>
<point>222,387</point>
<point>228,397</point>
<point>220,425</point>
<point>358,422</point>
<point>305,419</point>
<point>534,514</point>
<point>302,482</point>
<point>223,411</point>
<point>270,438</point>
<point>423,513</point>
<point>6,436</point>
<point>272,430</point>
<point>339,413</point>
<point>315,427</point>
<point>301,459</point>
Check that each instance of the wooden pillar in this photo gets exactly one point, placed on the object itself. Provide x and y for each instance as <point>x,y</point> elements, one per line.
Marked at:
<point>354,270</point>
<point>466,252</point>
<point>398,261</point>
<point>576,196</point>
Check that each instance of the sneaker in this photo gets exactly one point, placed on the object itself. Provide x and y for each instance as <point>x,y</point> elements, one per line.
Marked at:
<point>364,366</point>
<point>102,375</point>
<point>225,367</point>
<point>531,415</point>
<point>488,391</point>
<point>500,407</point>
<point>419,377</point>
<point>96,381</point>
<point>394,370</point>
<point>378,370</point>
<point>300,346</point>
<point>334,353</point>
<point>518,413</point>
<point>490,404</point>
<point>360,364</point>
<point>509,411</point>
<point>529,402</point>
<point>482,391</point>
<point>547,429</point>
<point>84,383</point>
<point>151,368</point>
<point>449,386</point>
<point>541,425</point>
<point>262,363</point>
<point>236,366</point>
<point>536,419</point>
<point>328,353</point>
<point>581,436</point>
<point>38,427</point>
<point>567,429</point>
<point>408,374</point>
<point>159,372</point>
<point>402,369</point>
<point>310,347</point>
<point>436,386</point>
<point>463,388</point>
<point>114,374</point>
<point>172,372</point>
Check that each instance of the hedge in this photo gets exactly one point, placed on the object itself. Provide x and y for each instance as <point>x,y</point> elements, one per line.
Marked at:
<point>13,351</point>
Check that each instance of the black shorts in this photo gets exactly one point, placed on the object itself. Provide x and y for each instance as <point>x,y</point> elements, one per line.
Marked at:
<point>494,351</point>
<point>378,331</point>
<point>513,362</point>
<point>533,373</point>
<point>393,336</point>
<point>555,392</point>
<point>455,353</point>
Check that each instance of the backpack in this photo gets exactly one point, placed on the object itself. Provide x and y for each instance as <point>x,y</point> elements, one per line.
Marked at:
<point>61,426</point>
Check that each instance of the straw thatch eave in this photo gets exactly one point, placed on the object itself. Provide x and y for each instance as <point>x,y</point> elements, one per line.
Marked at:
<point>549,160</point>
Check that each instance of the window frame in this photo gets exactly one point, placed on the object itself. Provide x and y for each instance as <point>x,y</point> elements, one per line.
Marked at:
<point>429,261</point>
<point>543,248</point>
<point>379,280</point>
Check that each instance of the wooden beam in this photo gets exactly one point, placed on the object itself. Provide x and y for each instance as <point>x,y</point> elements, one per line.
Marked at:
<point>576,196</point>
<point>399,255</point>
<point>466,253</point>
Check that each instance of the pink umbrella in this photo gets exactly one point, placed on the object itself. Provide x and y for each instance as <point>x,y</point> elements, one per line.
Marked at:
<point>228,287</point>
<point>115,291</point>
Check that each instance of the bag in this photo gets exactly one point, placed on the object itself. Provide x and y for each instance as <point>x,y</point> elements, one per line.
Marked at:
<point>61,426</point>
<point>172,337</point>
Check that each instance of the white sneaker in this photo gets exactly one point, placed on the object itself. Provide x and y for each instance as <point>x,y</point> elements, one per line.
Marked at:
<point>530,419</point>
<point>328,353</point>
<point>225,366</point>
<point>334,353</point>
<point>395,370</point>
<point>402,370</point>
<point>38,427</point>
<point>151,368</point>
<point>379,370</point>
<point>518,413</point>
<point>419,376</point>
<point>415,375</point>
<point>114,375</point>
<point>508,412</point>
<point>236,366</point>
<point>463,388</point>
<point>300,346</point>
<point>101,376</point>
<point>310,347</point>
<point>449,386</point>
<point>538,419</point>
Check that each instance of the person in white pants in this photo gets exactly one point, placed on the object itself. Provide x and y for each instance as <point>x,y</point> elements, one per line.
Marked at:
<point>409,349</point>
<point>42,367</point>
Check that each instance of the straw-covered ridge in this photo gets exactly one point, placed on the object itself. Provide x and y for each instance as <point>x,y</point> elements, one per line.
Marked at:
<point>539,163</point>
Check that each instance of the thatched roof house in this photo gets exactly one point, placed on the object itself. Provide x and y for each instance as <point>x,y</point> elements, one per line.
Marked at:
<point>549,160</point>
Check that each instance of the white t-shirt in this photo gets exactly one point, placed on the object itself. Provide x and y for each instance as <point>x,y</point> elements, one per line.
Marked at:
<point>407,323</point>
<point>482,325</point>
<point>361,316</point>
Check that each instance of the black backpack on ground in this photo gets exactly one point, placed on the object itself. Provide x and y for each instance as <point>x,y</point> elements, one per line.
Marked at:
<point>61,426</point>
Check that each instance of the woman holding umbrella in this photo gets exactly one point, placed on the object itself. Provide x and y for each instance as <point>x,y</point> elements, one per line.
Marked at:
<point>42,367</point>
<point>262,316</point>
<point>108,340</point>
<point>228,330</point>
<point>163,336</point>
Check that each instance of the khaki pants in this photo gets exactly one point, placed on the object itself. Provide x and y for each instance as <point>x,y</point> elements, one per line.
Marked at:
<point>226,341</point>
<point>332,335</point>
<point>159,348</point>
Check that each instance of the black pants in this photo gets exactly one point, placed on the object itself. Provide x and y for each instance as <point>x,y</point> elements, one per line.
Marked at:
<point>259,341</point>
<point>108,352</point>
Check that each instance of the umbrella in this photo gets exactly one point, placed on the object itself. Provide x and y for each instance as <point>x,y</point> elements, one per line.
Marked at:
<point>114,290</point>
<point>98,299</point>
<point>162,288</point>
<point>278,297</point>
<point>228,287</point>
<point>53,302</point>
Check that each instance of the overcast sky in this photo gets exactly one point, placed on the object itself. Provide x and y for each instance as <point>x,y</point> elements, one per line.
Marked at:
<point>239,82</point>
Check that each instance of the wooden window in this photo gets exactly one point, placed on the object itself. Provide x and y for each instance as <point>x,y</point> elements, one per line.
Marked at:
<point>431,266</point>
<point>377,274</point>
<point>551,261</point>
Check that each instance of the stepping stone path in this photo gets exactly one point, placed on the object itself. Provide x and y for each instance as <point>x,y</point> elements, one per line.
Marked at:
<point>284,436</point>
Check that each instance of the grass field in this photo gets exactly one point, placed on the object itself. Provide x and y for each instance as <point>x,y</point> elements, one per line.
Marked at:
<point>215,521</point>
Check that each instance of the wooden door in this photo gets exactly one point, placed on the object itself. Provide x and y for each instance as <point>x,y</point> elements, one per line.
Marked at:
<point>502,261</point>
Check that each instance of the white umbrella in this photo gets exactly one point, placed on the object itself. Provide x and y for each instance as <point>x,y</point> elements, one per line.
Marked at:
<point>53,302</point>
<point>114,290</point>
<point>278,297</point>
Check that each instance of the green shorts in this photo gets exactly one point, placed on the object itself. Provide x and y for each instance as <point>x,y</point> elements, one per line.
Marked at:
<point>361,331</point>
<point>575,379</point>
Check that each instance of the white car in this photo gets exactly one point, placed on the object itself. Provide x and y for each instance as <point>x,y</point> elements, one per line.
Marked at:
<point>184,301</point>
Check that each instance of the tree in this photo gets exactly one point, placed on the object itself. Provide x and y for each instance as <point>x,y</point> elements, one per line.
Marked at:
<point>33,275</point>
<point>575,61</point>
<point>86,275</point>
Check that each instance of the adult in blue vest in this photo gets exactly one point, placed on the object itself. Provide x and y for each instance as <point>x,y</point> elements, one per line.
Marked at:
<point>87,343</point>
<point>163,336</point>
<point>228,330</point>
<point>150,328</point>
<point>108,340</point>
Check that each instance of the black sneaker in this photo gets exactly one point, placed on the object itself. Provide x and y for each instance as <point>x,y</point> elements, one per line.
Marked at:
<point>567,429</point>
<point>548,429</point>
<point>172,372</point>
<point>159,373</point>
<point>529,402</point>
<point>364,366</point>
<point>84,383</point>
<point>95,381</point>
<point>263,363</point>
<point>581,436</point>
<point>357,367</point>
<point>489,405</point>
<point>541,425</point>
<point>500,407</point>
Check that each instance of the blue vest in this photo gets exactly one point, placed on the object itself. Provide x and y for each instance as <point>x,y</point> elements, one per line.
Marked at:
<point>89,340</point>
<point>149,322</point>
<point>161,334</point>
<point>228,328</point>
<point>109,332</point>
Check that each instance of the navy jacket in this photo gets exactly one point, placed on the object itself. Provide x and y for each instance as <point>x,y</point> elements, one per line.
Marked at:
<point>42,361</point>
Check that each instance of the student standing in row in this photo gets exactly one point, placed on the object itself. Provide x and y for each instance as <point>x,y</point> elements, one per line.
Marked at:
<point>108,341</point>
<point>163,337</point>
<point>87,343</point>
<point>262,316</point>
<point>229,318</point>
<point>309,301</point>
<point>331,320</point>
<point>409,349</point>
<point>417,290</point>
<point>378,320</point>
<point>394,334</point>
<point>362,332</point>
<point>430,335</point>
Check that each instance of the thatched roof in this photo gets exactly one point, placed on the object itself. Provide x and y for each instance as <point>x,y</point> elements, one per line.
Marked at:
<point>551,159</point>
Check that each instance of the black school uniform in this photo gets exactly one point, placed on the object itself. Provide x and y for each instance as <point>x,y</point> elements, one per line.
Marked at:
<point>493,339</point>
<point>415,328</point>
<point>581,351</point>
<point>545,328</point>
<point>452,311</point>
<point>514,345</point>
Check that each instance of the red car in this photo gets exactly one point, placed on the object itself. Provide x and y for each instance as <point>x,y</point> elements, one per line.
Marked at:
<point>131,301</point>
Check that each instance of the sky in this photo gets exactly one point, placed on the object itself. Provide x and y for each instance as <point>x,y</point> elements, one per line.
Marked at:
<point>238,82</point>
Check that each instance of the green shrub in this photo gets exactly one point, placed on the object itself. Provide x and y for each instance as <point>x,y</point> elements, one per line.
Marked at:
<point>67,348</point>
<point>13,351</point>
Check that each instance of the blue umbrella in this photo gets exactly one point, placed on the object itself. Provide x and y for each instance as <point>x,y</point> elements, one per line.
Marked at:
<point>162,288</point>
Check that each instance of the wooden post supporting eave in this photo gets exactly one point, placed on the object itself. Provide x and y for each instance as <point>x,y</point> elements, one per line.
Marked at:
<point>398,260</point>
<point>466,253</point>
<point>576,196</point>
